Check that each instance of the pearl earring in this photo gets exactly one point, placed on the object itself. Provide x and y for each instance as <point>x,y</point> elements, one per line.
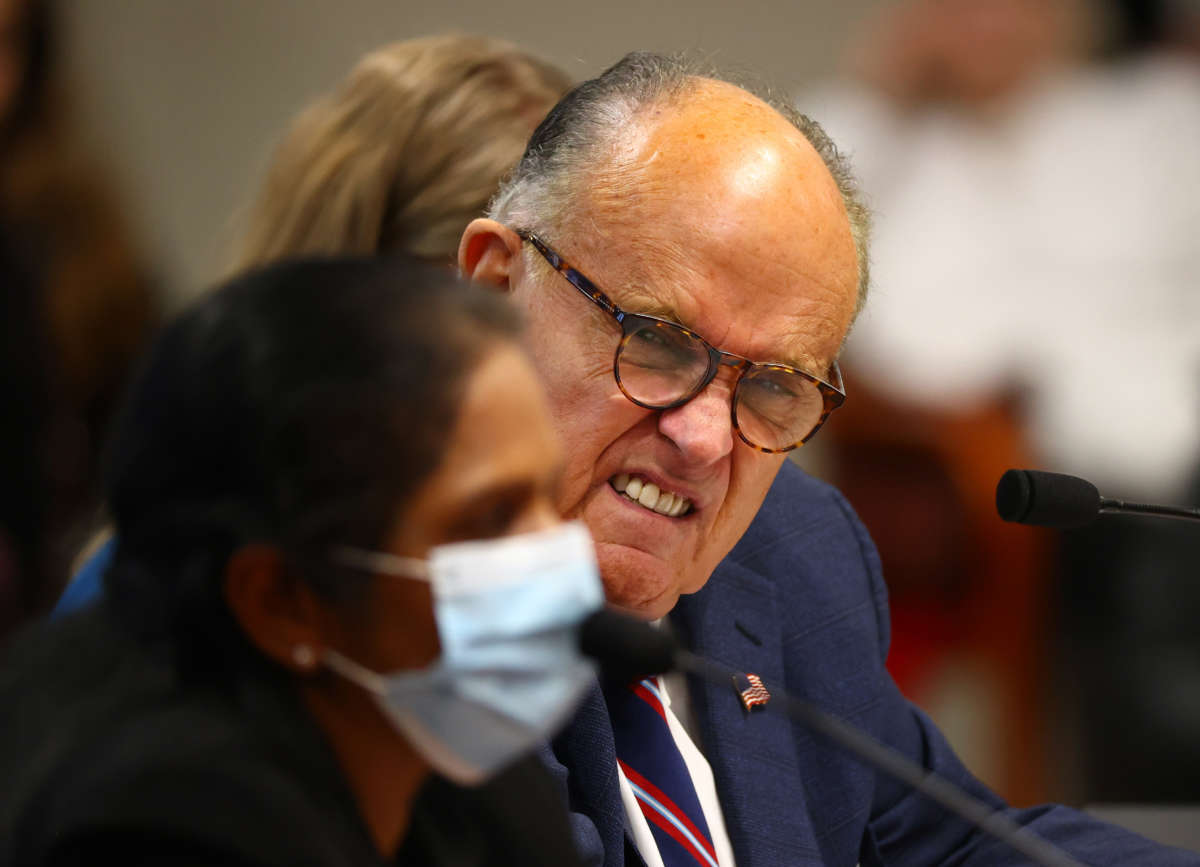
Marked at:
<point>304,656</point>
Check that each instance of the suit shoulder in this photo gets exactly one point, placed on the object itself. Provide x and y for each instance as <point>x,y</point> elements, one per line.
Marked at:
<point>797,509</point>
<point>808,541</point>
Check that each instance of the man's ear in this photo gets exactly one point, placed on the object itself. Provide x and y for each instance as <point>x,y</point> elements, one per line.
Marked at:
<point>487,252</point>
<point>281,617</point>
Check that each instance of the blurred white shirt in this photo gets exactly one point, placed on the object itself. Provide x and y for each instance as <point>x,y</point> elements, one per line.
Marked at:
<point>1053,244</point>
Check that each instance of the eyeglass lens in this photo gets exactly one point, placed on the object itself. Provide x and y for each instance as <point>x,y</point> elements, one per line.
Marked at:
<point>777,408</point>
<point>659,364</point>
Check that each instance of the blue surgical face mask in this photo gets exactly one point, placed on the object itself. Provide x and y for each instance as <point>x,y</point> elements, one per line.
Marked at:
<point>510,672</point>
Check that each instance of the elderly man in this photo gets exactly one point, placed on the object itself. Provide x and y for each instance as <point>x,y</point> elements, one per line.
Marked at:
<point>690,260</point>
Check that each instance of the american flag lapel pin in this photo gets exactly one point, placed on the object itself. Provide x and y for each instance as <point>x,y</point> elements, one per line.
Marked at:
<point>751,691</point>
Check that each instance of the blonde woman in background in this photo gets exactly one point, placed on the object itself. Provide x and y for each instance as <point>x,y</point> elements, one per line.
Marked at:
<point>406,151</point>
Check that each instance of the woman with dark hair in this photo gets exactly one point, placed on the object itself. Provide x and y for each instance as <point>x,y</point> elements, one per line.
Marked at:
<point>333,490</point>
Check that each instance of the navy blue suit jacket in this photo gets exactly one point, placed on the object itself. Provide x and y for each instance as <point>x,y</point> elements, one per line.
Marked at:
<point>800,601</point>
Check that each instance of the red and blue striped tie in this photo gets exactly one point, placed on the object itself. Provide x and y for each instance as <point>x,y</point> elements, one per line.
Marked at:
<point>656,772</point>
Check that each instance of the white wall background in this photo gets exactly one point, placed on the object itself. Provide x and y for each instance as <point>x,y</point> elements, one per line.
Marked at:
<point>186,97</point>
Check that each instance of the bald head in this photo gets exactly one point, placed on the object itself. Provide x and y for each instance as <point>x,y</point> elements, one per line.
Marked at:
<point>659,124</point>
<point>738,178</point>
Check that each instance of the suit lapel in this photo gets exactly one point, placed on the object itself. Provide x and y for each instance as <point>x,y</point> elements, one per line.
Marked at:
<point>733,620</point>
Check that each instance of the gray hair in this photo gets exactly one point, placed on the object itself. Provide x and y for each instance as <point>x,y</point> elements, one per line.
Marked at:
<point>591,119</point>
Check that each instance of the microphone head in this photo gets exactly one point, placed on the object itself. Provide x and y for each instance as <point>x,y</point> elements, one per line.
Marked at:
<point>1046,499</point>
<point>625,647</point>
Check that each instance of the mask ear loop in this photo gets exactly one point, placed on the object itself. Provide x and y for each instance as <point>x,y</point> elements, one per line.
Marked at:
<point>370,561</point>
<point>379,561</point>
<point>357,674</point>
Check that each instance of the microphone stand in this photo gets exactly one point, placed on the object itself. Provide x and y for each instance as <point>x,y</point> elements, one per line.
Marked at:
<point>896,764</point>
<point>1120,507</point>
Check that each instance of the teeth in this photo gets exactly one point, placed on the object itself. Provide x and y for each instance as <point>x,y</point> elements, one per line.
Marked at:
<point>650,496</point>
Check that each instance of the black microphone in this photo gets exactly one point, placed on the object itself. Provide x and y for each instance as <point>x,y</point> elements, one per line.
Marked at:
<point>625,647</point>
<point>1056,500</point>
<point>630,648</point>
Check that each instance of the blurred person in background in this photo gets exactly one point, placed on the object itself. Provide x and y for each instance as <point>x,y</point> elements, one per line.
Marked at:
<point>327,475</point>
<point>1038,213</point>
<point>404,153</point>
<point>82,310</point>
<point>398,158</point>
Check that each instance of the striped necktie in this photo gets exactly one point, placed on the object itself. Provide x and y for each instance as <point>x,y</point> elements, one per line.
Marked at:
<point>657,774</point>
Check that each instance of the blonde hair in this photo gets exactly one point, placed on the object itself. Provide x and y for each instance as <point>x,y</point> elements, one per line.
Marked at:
<point>406,152</point>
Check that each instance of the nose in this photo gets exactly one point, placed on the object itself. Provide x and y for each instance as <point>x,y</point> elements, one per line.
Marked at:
<point>702,429</point>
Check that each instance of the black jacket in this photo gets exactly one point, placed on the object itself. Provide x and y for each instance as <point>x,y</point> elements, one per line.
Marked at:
<point>106,751</point>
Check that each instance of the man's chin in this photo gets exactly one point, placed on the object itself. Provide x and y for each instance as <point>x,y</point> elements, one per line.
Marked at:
<point>654,609</point>
<point>637,583</point>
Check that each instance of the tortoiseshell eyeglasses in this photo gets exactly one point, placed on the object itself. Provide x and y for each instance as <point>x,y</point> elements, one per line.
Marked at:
<point>660,365</point>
